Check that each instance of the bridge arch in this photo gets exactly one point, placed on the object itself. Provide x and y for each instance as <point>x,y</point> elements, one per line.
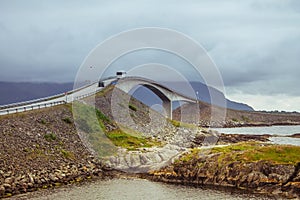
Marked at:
<point>165,94</point>
<point>166,101</point>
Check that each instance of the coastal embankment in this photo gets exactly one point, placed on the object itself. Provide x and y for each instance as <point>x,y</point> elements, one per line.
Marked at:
<point>41,149</point>
<point>260,168</point>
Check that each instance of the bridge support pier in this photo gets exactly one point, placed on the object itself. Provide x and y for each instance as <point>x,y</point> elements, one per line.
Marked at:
<point>167,105</point>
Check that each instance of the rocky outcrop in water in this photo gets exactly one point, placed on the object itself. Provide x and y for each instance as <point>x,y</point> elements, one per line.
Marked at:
<point>260,177</point>
<point>222,138</point>
<point>296,135</point>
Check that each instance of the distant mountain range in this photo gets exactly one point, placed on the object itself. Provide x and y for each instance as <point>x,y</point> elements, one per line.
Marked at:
<point>204,95</point>
<point>12,92</point>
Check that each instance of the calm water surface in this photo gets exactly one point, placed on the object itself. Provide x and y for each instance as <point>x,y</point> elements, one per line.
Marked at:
<point>135,189</point>
<point>281,131</point>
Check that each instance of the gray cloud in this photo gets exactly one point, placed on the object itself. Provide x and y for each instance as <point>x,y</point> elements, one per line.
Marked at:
<point>255,44</point>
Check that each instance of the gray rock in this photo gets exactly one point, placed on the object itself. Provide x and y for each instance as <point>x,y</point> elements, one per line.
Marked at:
<point>2,190</point>
<point>31,178</point>
<point>6,186</point>
<point>9,180</point>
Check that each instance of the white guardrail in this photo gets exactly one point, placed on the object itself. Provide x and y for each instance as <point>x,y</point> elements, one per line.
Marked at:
<point>41,105</point>
<point>49,101</point>
<point>30,102</point>
<point>30,107</point>
<point>42,99</point>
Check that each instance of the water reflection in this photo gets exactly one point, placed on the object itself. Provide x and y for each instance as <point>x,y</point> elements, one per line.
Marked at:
<point>136,189</point>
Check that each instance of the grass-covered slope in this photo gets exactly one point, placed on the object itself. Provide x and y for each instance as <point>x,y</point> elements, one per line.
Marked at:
<point>250,152</point>
<point>104,134</point>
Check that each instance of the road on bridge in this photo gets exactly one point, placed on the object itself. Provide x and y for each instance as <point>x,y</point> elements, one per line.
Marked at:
<point>68,97</point>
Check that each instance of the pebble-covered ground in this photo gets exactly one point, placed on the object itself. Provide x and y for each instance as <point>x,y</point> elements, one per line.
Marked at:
<point>41,148</point>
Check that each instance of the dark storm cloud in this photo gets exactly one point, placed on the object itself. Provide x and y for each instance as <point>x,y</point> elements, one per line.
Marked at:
<point>275,62</point>
<point>255,44</point>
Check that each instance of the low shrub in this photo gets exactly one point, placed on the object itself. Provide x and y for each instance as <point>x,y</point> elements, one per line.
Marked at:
<point>50,136</point>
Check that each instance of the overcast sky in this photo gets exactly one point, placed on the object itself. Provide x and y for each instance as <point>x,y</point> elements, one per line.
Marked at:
<point>254,43</point>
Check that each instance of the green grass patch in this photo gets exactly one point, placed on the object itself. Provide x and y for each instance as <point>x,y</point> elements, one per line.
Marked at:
<point>89,119</point>
<point>194,154</point>
<point>248,152</point>
<point>102,117</point>
<point>130,131</point>
<point>175,123</point>
<point>101,144</point>
<point>130,142</point>
<point>243,146</point>
<point>86,118</point>
<point>67,154</point>
<point>234,120</point>
<point>67,120</point>
<point>253,152</point>
<point>279,154</point>
<point>182,124</point>
<point>42,121</point>
<point>132,107</point>
<point>50,136</point>
<point>246,119</point>
<point>92,122</point>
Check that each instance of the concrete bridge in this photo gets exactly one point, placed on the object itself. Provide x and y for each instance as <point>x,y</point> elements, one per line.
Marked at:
<point>125,84</point>
<point>167,95</point>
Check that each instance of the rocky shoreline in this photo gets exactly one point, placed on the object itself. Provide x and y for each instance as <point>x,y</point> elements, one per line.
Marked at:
<point>230,124</point>
<point>296,135</point>
<point>14,182</point>
<point>264,177</point>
